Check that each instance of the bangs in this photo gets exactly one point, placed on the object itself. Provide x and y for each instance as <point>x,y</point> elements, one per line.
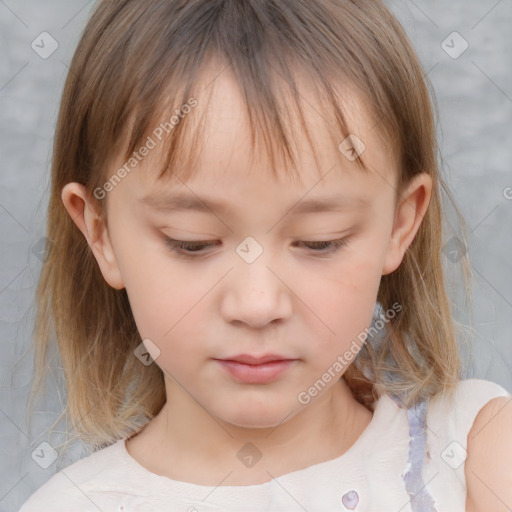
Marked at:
<point>194,48</point>
<point>275,107</point>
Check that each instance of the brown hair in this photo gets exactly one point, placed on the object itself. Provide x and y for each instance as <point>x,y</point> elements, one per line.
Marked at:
<point>137,55</point>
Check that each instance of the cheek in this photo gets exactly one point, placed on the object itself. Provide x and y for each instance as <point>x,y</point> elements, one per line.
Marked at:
<point>164,304</point>
<point>342,299</point>
<point>169,303</point>
<point>167,314</point>
<point>161,291</point>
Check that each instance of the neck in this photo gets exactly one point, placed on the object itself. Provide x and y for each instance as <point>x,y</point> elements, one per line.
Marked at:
<point>185,442</point>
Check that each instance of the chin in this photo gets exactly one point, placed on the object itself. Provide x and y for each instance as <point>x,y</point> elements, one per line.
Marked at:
<point>252,416</point>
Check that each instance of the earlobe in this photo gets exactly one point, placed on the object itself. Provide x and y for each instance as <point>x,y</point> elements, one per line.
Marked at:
<point>413,205</point>
<point>81,209</point>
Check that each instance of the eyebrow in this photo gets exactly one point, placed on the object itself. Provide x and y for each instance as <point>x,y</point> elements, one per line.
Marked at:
<point>185,202</point>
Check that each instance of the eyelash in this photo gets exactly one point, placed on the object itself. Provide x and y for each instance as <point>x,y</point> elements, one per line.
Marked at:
<point>178,245</point>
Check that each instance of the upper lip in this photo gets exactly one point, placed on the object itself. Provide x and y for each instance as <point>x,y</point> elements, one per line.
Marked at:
<point>255,360</point>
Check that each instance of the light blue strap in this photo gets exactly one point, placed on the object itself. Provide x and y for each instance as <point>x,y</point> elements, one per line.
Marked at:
<point>421,500</point>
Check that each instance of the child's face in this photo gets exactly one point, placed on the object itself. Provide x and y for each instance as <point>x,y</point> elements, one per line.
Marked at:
<point>259,289</point>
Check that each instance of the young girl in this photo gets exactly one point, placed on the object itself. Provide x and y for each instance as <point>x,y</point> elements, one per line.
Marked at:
<point>239,339</point>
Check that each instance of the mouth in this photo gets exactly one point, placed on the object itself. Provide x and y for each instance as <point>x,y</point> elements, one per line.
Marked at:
<point>256,360</point>
<point>256,370</point>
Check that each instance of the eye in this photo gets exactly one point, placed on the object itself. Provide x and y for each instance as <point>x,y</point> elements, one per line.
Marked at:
<point>193,248</point>
<point>327,246</point>
<point>189,247</point>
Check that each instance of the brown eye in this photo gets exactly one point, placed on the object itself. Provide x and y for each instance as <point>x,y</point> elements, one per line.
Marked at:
<point>195,247</point>
<point>182,247</point>
<point>327,246</point>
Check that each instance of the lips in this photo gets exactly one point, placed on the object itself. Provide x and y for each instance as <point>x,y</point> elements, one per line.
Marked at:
<point>256,360</point>
<point>250,369</point>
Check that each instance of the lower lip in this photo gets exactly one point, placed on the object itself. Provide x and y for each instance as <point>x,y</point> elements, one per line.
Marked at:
<point>256,374</point>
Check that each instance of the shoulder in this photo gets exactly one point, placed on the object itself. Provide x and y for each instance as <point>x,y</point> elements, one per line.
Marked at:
<point>459,412</point>
<point>452,421</point>
<point>489,447</point>
<point>53,494</point>
<point>72,487</point>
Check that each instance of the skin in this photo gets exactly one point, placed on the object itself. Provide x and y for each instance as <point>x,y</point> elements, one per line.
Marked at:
<point>487,468</point>
<point>291,300</point>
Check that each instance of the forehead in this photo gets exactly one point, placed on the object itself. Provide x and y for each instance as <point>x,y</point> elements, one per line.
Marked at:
<point>300,110</point>
<point>226,161</point>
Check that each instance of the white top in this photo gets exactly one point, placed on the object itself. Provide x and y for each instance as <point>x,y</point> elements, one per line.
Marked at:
<point>375,474</point>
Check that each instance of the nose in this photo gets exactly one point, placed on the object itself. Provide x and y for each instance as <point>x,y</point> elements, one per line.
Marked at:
<point>256,295</point>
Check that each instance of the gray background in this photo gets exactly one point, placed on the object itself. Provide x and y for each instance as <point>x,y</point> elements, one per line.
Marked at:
<point>474,93</point>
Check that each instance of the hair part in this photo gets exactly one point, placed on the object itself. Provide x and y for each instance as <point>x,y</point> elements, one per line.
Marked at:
<point>136,63</point>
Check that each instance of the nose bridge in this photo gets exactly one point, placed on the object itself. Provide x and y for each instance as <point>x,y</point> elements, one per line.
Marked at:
<point>255,294</point>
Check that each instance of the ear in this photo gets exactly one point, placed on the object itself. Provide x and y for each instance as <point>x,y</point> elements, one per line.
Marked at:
<point>409,214</point>
<point>80,207</point>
